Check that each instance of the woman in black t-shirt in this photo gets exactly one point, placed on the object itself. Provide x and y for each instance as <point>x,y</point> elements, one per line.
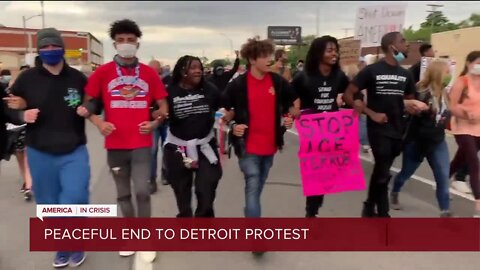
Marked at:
<point>190,146</point>
<point>319,88</point>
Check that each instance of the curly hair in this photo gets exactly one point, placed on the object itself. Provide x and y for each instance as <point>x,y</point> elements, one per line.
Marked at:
<point>124,26</point>
<point>255,48</point>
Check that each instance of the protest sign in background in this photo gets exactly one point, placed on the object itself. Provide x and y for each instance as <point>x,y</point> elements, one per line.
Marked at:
<point>372,22</point>
<point>349,51</point>
<point>329,153</point>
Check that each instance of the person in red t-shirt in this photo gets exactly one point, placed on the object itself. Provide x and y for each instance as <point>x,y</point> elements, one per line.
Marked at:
<point>259,99</point>
<point>127,89</point>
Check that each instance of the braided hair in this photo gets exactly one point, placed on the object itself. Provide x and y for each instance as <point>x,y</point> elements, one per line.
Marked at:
<point>182,66</point>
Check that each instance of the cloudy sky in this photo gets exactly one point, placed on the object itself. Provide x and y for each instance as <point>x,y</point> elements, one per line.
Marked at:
<point>172,29</point>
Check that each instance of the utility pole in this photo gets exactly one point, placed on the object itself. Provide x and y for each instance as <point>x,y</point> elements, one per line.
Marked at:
<point>43,15</point>
<point>432,11</point>
<point>346,31</point>
<point>231,43</point>
<point>27,39</point>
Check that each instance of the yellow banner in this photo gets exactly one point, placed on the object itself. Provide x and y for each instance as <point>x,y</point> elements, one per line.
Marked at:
<point>73,53</point>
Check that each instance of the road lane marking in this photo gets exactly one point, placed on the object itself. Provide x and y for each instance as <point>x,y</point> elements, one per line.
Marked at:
<point>415,177</point>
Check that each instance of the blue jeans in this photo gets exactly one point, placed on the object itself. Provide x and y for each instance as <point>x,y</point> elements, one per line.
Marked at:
<point>362,124</point>
<point>158,134</point>
<point>60,179</point>
<point>438,160</point>
<point>255,169</point>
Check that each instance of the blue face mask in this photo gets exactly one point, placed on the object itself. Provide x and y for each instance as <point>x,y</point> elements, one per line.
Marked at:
<point>399,56</point>
<point>52,57</point>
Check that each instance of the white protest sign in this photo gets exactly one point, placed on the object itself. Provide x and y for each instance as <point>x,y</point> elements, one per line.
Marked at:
<point>426,61</point>
<point>76,210</point>
<point>372,22</point>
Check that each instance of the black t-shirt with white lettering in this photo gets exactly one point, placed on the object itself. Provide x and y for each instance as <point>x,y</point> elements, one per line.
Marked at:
<point>386,86</point>
<point>192,112</point>
<point>318,92</point>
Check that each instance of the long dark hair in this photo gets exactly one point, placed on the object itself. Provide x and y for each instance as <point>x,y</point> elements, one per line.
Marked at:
<point>182,66</point>
<point>471,57</point>
<point>315,54</point>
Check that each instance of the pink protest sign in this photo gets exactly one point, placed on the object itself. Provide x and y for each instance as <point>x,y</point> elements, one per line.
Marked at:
<point>329,153</point>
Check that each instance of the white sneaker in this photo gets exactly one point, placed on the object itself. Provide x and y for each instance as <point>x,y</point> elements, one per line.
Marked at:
<point>461,186</point>
<point>366,148</point>
<point>147,256</point>
<point>126,253</point>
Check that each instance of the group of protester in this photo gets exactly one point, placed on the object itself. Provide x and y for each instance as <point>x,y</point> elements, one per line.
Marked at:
<point>54,100</point>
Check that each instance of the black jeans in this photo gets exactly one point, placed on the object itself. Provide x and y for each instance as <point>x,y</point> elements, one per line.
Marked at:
<point>127,167</point>
<point>313,204</point>
<point>467,153</point>
<point>180,178</point>
<point>384,150</point>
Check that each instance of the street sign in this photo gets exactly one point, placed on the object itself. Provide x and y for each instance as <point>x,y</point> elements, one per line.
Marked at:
<point>73,53</point>
<point>372,22</point>
<point>285,35</point>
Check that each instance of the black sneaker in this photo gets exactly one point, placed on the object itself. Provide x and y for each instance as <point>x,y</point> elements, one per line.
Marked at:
<point>258,254</point>
<point>153,187</point>
<point>165,182</point>
<point>27,195</point>
<point>23,189</point>
<point>368,210</point>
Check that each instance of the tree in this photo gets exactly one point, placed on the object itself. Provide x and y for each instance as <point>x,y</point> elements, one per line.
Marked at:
<point>298,52</point>
<point>204,60</point>
<point>437,18</point>
<point>473,21</point>
<point>435,22</point>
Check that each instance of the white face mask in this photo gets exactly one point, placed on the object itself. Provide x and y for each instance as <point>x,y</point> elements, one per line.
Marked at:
<point>127,50</point>
<point>476,69</point>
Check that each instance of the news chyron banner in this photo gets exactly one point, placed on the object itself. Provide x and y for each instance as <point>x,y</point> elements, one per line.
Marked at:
<point>96,228</point>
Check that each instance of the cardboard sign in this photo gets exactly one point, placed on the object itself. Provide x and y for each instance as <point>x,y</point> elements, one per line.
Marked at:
<point>329,153</point>
<point>372,22</point>
<point>349,52</point>
<point>425,62</point>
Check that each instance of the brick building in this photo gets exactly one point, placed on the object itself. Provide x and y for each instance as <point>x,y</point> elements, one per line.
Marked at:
<point>18,47</point>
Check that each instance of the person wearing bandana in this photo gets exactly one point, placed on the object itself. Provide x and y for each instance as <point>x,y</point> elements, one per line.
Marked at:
<point>127,89</point>
<point>426,137</point>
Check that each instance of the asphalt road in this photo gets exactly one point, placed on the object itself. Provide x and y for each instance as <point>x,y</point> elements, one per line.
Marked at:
<point>282,197</point>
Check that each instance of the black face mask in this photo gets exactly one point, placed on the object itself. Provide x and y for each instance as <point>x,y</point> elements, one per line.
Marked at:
<point>219,72</point>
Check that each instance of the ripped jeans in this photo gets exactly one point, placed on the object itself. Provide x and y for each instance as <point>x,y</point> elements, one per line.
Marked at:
<point>132,165</point>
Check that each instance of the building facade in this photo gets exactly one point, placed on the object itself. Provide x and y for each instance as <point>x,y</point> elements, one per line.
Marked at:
<point>456,45</point>
<point>18,46</point>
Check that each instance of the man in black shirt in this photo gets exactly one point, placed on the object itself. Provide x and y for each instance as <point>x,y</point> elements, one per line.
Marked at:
<point>387,84</point>
<point>56,141</point>
<point>318,88</point>
<point>220,77</point>
<point>426,50</point>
